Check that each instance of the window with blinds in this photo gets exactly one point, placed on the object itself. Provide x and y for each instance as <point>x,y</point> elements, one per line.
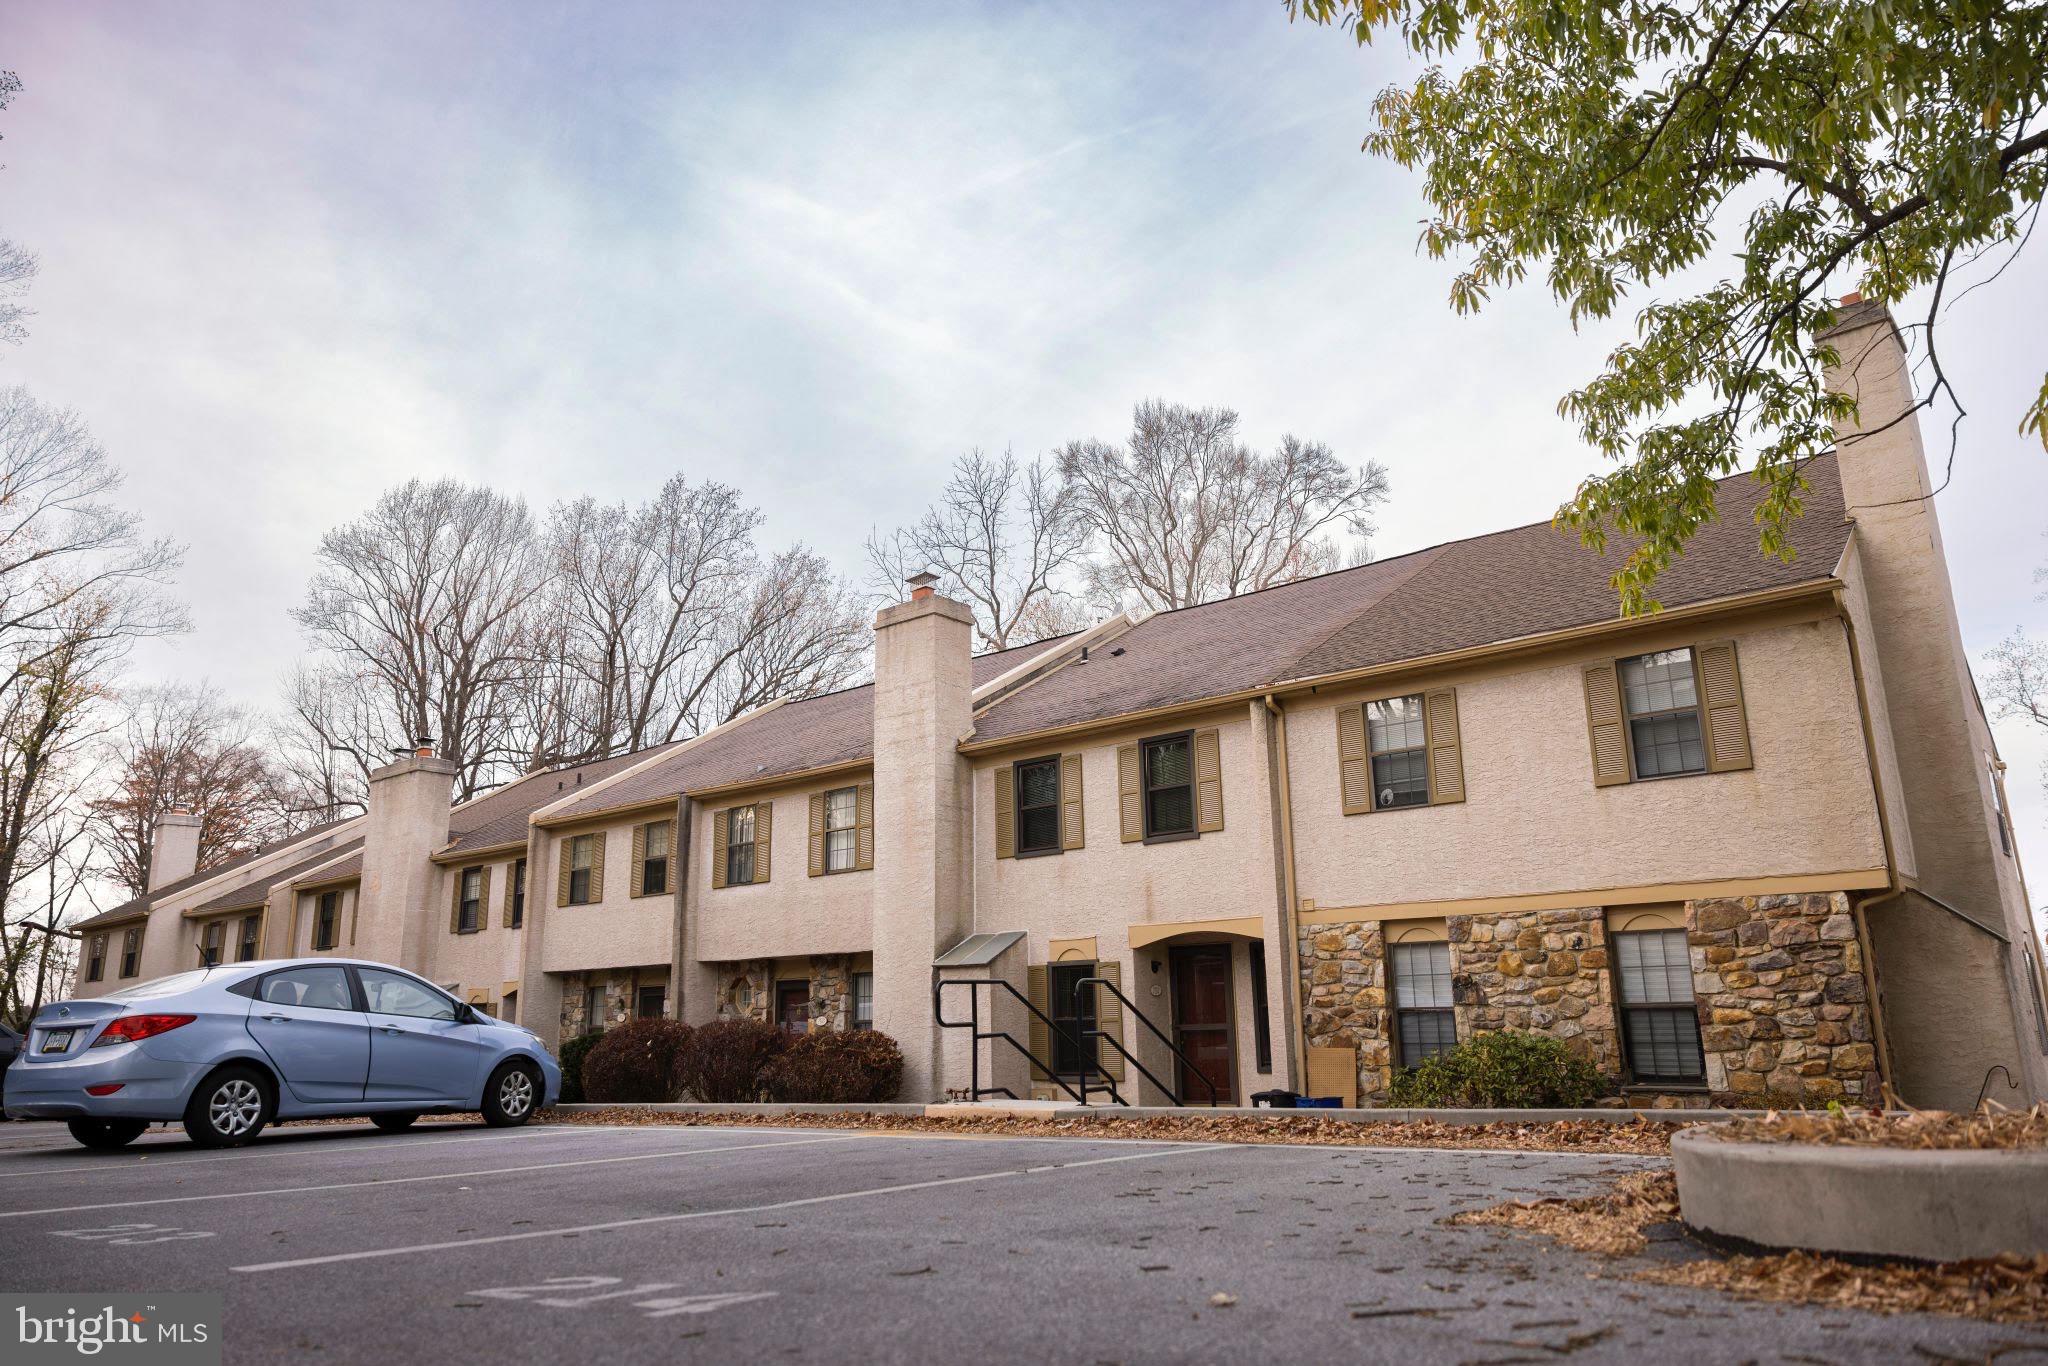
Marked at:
<point>1038,806</point>
<point>1663,703</point>
<point>1662,1028</point>
<point>842,807</point>
<point>1169,774</point>
<point>1423,1021</point>
<point>1398,743</point>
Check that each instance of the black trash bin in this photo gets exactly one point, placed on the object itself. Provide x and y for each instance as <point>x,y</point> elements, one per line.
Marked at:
<point>1275,1100</point>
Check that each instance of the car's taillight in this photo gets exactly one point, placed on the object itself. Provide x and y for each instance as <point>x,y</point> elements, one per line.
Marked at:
<point>129,1028</point>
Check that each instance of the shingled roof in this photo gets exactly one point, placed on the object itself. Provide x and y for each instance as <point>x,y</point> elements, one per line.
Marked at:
<point>139,906</point>
<point>499,817</point>
<point>257,891</point>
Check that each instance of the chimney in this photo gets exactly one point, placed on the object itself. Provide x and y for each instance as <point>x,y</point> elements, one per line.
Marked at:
<point>173,847</point>
<point>406,822</point>
<point>924,676</point>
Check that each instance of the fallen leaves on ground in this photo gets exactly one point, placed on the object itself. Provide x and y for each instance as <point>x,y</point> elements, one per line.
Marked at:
<point>2008,1289</point>
<point>1926,1129</point>
<point>1642,1137</point>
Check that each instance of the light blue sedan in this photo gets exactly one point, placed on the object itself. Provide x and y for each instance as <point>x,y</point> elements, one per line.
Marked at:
<point>226,1050</point>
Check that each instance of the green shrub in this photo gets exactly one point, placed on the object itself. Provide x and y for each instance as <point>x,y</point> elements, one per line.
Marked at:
<point>723,1061</point>
<point>635,1063</point>
<point>574,1051</point>
<point>1505,1069</point>
<point>842,1066</point>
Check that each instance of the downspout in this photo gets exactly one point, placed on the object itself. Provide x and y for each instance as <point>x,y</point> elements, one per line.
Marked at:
<point>1894,887</point>
<point>1290,946</point>
<point>678,949</point>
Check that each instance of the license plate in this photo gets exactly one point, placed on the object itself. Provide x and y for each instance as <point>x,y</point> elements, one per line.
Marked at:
<point>58,1040</point>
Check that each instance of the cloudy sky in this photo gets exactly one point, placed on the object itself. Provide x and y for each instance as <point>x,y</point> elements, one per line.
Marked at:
<point>294,254</point>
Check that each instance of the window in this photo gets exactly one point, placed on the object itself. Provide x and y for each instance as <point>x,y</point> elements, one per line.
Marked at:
<point>863,1000</point>
<point>1168,773</point>
<point>652,1003</point>
<point>388,993</point>
<point>1661,700</point>
<point>327,921</point>
<point>252,932</point>
<point>1659,1023</point>
<point>1398,743</point>
<point>1038,806</point>
<point>654,858</point>
<point>1423,1022</point>
<point>211,940</point>
<point>96,958</point>
<point>469,912</point>
<point>842,807</point>
<point>311,988</point>
<point>131,952</point>
<point>1262,1028</point>
<point>1073,1013</point>
<point>793,1007</point>
<point>518,894</point>
<point>739,846</point>
<point>593,1010</point>
<point>582,852</point>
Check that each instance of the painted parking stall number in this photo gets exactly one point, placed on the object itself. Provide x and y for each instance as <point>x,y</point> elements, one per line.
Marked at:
<point>133,1235</point>
<point>578,1292</point>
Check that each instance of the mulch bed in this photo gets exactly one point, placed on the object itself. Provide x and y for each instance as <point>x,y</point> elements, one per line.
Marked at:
<point>1641,1138</point>
<point>2009,1289</point>
<point>1924,1129</point>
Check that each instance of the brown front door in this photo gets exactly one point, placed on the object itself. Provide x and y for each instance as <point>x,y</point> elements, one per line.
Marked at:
<point>793,1006</point>
<point>1202,1027</point>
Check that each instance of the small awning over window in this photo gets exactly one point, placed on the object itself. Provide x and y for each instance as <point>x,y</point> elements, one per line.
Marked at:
<point>978,950</point>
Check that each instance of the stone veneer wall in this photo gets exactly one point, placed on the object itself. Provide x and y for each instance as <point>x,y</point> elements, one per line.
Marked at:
<point>618,1001</point>
<point>747,990</point>
<point>1344,998</point>
<point>1544,971</point>
<point>831,991</point>
<point>831,978</point>
<point>1783,998</point>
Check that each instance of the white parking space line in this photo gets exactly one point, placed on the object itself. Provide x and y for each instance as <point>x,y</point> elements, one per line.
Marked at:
<point>652,1219</point>
<point>407,1180</point>
<point>143,1159</point>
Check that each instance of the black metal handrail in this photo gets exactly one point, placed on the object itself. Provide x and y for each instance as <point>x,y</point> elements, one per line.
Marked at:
<point>1131,1008</point>
<point>975,1089</point>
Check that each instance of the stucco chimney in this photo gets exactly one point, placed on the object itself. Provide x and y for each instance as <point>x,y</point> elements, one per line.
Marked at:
<point>173,847</point>
<point>406,822</point>
<point>924,676</point>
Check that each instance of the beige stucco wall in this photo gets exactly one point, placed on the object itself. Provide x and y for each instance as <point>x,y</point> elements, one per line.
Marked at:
<point>346,943</point>
<point>487,959</point>
<point>621,930</point>
<point>1532,821</point>
<point>792,913</point>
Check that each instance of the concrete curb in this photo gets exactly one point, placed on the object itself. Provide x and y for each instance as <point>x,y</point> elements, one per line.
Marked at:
<point>688,1107</point>
<point>1042,1111</point>
<point>1938,1205</point>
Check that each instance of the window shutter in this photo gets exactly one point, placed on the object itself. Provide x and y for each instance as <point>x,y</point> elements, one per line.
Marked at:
<point>1208,780</point>
<point>483,898</point>
<point>1130,811</point>
<point>1354,764</point>
<point>1727,722</point>
<point>1109,1017</point>
<point>1004,797</point>
<point>562,871</point>
<point>864,827</point>
<point>720,828</point>
<point>764,827</point>
<point>597,843</point>
<point>636,878</point>
<point>1605,728</point>
<point>1446,755</point>
<point>1038,1036</point>
<point>455,904</point>
<point>1073,821</point>
<point>511,881</point>
<point>816,859</point>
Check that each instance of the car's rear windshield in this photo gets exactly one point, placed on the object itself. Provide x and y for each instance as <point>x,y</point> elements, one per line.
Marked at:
<point>162,986</point>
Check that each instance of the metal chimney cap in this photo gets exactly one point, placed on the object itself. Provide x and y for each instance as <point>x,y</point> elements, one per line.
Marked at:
<point>922,584</point>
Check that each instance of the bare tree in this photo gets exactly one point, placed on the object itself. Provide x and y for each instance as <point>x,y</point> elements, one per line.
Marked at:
<point>801,632</point>
<point>2016,676</point>
<point>1186,513</point>
<point>420,606</point>
<point>17,263</point>
<point>1005,538</point>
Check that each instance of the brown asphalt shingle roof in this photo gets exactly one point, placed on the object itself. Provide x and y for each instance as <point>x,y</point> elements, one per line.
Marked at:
<point>352,866</point>
<point>500,817</point>
<point>138,905</point>
<point>257,892</point>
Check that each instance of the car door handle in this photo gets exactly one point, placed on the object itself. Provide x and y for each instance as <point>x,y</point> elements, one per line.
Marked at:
<point>391,1029</point>
<point>277,1019</point>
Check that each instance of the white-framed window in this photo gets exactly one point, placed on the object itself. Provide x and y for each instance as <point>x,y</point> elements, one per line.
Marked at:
<point>582,854</point>
<point>212,939</point>
<point>1660,1024</point>
<point>96,958</point>
<point>1398,742</point>
<point>252,934</point>
<point>1424,1023</point>
<point>739,846</point>
<point>469,914</point>
<point>1660,696</point>
<point>842,807</point>
<point>863,1000</point>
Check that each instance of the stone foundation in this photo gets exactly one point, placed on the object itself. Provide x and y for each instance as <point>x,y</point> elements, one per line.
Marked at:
<point>746,990</point>
<point>618,1001</point>
<point>1344,998</point>
<point>1542,971</point>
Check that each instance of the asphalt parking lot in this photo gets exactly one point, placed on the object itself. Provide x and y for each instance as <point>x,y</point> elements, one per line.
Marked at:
<point>561,1242</point>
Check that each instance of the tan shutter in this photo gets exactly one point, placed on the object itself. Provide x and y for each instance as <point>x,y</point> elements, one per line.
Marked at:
<point>1446,754</point>
<point>597,843</point>
<point>864,827</point>
<point>1727,723</point>
<point>1038,1037</point>
<point>1208,780</point>
<point>764,828</point>
<point>562,861</point>
<point>1354,764</point>
<point>636,878</point>
<point>1109,1017</point>
<point>1073,821</point>
<point>816,860</point>
<point>1605,728</point>
<point>511,882</point>
<point>720,827</point>
<point>483,897</point>
<point>455,905</point>
<point>1130,810</point>
<point>1003,801</point>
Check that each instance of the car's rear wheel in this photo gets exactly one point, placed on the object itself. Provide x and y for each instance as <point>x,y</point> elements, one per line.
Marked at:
<point>511,1095</point>
<point>392,1124</point>
<point>228,1108</point>
<point>105,1134</point>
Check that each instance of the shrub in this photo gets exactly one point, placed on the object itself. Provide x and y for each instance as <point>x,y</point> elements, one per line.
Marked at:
<point>723,1060</point>
<point>1508,1069</point>
<point>836,1065</point>
<point>574,1051</point>
<point>635,1062</point>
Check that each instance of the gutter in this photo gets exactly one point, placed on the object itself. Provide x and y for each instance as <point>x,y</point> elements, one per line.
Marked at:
<point>1290,947</point>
